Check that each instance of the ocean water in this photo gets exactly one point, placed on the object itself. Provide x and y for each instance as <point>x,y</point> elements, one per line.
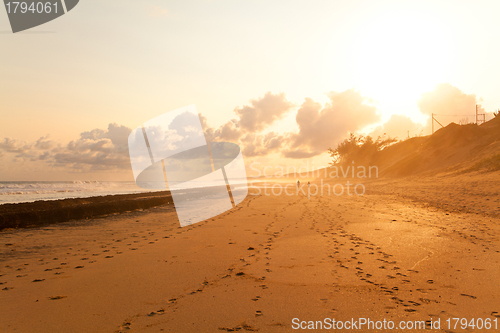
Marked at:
<point>26,191</point>
<point>15,192</point>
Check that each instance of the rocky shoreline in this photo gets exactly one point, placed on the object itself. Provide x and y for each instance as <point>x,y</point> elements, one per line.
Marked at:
<point>30,214</point>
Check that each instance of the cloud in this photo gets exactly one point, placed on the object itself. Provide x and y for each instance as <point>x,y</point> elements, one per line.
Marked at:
<point>13,145</point>
<point>261,145</point>
<point>116,133</point>
<point>44,144</point>
<point>448,100</point>
<point>230,131</point>
<point>448,104</point>
<point>97,149</point>
<point>262,112</point>
<point>397,127</point>
<point>252,119</point>
<point>321,127</point>
<point>23,151</point>
<point>94,150</point>
<point>207,129</point>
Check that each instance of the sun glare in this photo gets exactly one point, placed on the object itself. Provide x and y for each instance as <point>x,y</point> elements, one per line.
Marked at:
<point>400,56</point>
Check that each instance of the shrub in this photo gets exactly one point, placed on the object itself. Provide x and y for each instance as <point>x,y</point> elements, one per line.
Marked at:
<point>360,148</point>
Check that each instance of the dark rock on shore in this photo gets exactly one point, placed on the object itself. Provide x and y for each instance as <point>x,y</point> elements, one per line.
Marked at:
<point>38,213</point>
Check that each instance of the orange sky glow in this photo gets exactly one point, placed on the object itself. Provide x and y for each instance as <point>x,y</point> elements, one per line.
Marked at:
<point>284,79</point>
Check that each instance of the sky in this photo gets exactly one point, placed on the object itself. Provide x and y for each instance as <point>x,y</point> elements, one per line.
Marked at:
<point>284,79</point>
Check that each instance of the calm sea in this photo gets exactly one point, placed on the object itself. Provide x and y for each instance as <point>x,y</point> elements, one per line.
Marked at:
<point>14,192</point>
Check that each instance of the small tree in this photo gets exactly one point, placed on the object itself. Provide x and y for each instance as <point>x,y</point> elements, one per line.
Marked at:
<point>358,148</point>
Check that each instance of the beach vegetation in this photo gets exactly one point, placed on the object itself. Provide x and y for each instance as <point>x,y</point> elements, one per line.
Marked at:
<point>359,148</point>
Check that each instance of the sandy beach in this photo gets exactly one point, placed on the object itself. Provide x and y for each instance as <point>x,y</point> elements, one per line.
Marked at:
<point>249,166</point>
<point>388,254</point>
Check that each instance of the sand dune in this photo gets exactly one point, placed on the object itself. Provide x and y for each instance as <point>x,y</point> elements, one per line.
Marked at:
<point>457,148</point>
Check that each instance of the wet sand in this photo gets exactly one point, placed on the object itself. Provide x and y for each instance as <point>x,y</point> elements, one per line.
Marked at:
<point>271,259</point>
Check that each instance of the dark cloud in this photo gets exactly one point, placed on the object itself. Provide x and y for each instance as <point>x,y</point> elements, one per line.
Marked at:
<point>116,133</point>
<point>13,145</point>
<point>322,127</point>
<point>38,150</point>
<point>44,143</point>
<point>95,150</point>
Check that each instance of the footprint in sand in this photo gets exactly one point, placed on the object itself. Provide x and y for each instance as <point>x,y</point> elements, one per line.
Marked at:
<point>125,326</point>
<point>57,297</point>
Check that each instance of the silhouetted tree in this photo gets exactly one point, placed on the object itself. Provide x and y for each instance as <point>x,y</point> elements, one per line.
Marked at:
<point>360,149</point>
